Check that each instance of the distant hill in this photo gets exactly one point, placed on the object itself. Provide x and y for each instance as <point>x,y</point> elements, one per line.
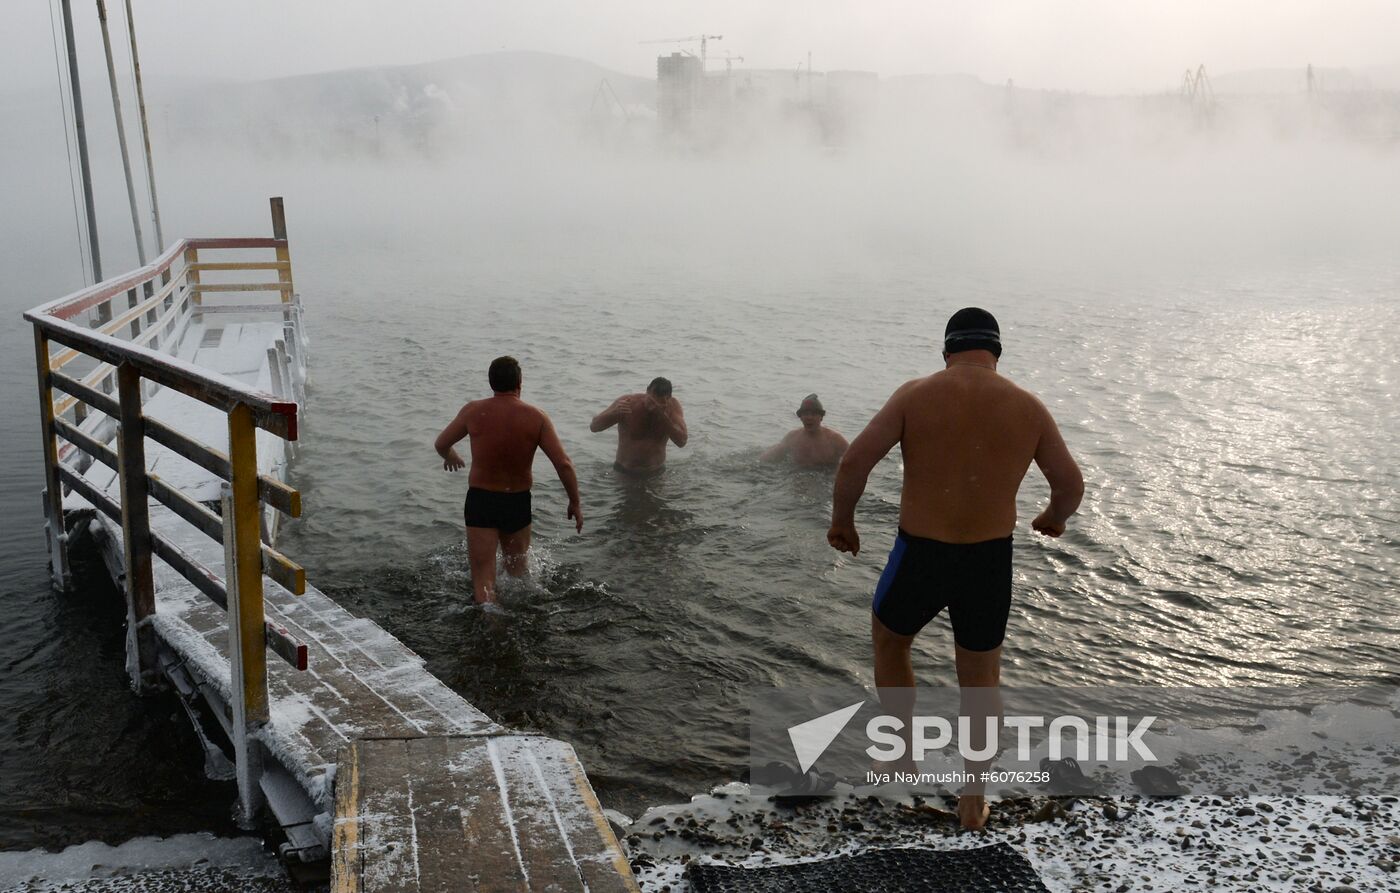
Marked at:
<point>1295,80</point>
<point>512,102</point>
<point>475,100</point>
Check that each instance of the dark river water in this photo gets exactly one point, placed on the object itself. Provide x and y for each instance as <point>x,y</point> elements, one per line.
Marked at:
<point>1224,370</point>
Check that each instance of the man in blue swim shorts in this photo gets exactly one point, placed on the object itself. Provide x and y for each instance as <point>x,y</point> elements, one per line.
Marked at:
<point>967,435</point>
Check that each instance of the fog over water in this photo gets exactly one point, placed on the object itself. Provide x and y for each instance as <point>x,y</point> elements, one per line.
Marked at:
<point>1208,307</point>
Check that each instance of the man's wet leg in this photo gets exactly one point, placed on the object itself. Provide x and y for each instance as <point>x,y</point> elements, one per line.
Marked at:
<point>894,680</point>
<point>979,680</point>
<point>481,560</point>
<point>515,547</point>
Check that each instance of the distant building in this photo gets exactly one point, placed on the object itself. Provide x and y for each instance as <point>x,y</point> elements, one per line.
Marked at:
<point>851,97</point>
<point>697,108</point>
<point>678,84</point>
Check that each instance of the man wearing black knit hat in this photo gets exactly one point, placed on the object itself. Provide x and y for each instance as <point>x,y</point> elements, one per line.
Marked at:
<point>967,435</point>
<point>811,446</point>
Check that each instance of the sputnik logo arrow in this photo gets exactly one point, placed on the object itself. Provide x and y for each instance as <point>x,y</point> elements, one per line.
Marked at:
<point>810,739</point>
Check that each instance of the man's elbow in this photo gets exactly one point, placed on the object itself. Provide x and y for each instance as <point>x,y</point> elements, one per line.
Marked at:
<point>1070,489</point>
<point>681,440</point>
<point>596,424</point>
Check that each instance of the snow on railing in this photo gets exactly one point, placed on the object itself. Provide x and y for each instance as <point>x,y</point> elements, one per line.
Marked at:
<point>120,350</point>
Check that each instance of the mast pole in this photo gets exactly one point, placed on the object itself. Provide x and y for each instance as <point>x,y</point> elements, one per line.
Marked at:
<point>145,128</point>
<point>83,165</point>
<point>121,134</point>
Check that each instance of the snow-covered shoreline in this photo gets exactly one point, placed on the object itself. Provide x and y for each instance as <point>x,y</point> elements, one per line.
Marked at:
<point>185,862</point>
<point>1076,844</point>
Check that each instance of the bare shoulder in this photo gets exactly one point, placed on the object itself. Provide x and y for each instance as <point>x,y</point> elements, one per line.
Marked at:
<point>531,415</point>
<point>913,386</point>
<point>1033,405</point>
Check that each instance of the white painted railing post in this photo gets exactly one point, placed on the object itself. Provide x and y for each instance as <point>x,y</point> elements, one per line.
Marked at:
<point>247,718</point>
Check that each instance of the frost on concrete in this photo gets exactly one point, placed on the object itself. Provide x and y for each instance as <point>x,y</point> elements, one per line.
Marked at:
<point>184,862</point>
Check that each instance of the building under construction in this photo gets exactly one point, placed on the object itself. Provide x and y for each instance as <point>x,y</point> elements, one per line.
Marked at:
<point>696,107</point>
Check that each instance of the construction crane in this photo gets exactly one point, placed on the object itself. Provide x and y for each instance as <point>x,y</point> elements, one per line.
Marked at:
<point>703,38</point>
<point>729,60</point>
<point>1196,91</point>
<point>1196,87</point>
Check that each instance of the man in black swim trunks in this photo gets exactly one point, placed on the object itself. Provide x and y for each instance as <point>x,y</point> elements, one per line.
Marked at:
<point>505,431</point>
<point>968,436</point>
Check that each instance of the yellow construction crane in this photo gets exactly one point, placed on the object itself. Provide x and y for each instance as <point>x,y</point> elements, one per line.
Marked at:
<point>703,38</point>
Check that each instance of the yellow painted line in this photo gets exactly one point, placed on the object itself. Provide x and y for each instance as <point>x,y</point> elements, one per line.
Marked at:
<point>595,809</point>
<point>346,840</point>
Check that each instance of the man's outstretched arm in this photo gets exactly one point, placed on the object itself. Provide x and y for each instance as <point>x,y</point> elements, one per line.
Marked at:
<point>1062,473</point>
<point>564,467</point>
<point>864,453</point>
<point>448,439</point>
<point>777,451</point>
<point>619,410</point>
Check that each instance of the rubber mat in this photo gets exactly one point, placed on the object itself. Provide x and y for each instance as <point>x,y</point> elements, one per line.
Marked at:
<point>981,870</point>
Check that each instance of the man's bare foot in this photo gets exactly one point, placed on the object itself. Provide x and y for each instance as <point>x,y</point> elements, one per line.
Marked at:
<point>973,812</point>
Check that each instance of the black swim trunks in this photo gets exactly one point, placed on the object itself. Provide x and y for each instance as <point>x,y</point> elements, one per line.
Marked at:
<point>506,512</point>
<point>972,580</point>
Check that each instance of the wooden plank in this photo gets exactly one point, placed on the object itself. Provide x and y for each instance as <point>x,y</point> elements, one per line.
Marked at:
<point>352,687</point>
<point>550,784</point>
<point>155,327</point>
<point>89,491</point>
<point>55,529</point>
<point>281,643</point>
<point>241,286</point>
<point>192,273</point>
<point>235,242</point>
<point>102,371</point>
<point>242,265</point>
<point>247,555</point>
<point>71,305</point>
<point>469,813</point>
<point>249,308</point>
<point>346,850</point>
<point>132,314</point>
<point>216,389</point>
<point>283,570</point>
<point>270,489</point>
<point>284,257</point>
<point>544,848</point>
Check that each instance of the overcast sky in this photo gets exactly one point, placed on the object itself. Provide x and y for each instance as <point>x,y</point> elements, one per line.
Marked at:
<point>1092,45</point>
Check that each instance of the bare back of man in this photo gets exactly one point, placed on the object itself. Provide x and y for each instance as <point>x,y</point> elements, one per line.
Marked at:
<point>968,437</point>
<point>505,432</point>
<point>645,424</point>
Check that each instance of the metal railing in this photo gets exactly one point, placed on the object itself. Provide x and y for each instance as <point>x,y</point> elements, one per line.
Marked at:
<point>99,419</point>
